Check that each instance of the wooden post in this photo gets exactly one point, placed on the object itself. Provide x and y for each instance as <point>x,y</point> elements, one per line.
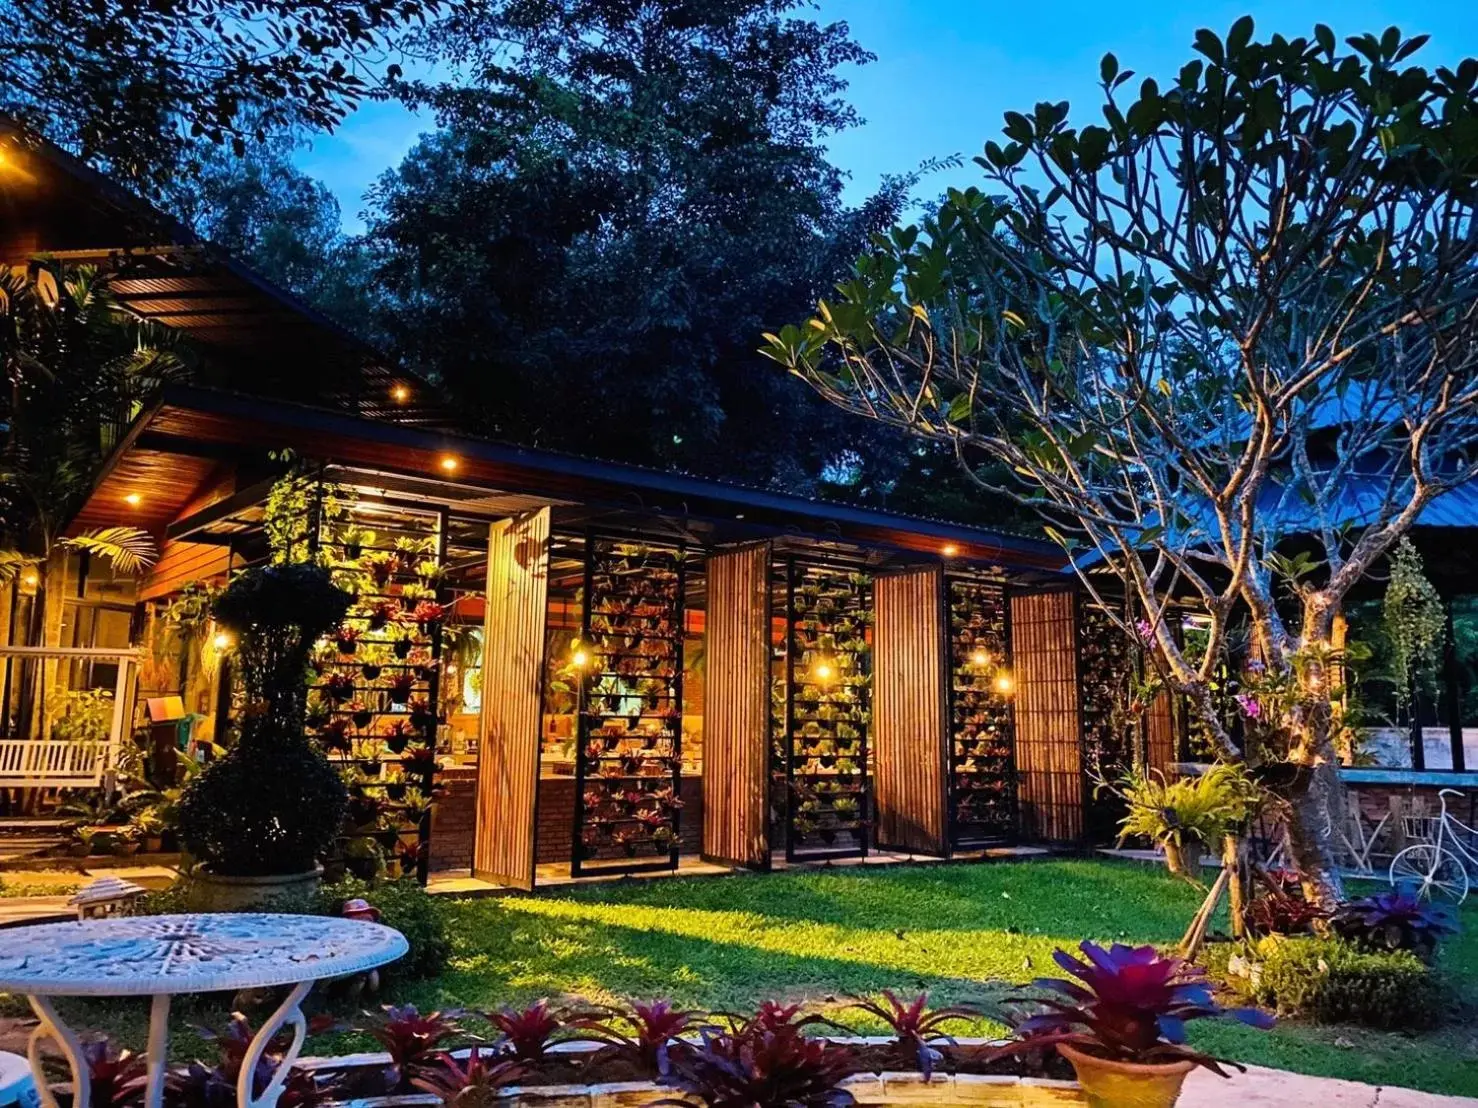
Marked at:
<point>1231,863</point>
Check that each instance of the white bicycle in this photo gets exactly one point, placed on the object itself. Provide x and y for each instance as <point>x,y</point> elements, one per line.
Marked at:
<point>1437,862</point>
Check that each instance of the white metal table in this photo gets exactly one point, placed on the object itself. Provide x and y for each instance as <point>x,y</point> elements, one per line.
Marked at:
<point>159,956</point>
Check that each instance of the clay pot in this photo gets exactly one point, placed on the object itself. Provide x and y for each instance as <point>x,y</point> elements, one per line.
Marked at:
<point>1110,1084</point>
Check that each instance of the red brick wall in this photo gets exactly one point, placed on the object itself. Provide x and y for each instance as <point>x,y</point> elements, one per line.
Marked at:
<point>1375,801</point>
<point>454,819</point>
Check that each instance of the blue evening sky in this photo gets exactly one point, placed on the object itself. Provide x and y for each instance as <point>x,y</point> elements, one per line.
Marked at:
<point>948,69</point>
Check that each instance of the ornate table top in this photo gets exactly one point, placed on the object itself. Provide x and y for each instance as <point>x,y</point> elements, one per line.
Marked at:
<point>150,955</point>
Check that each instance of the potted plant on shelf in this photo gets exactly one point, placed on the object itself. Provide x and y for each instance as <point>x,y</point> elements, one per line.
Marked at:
<point>150,825</point>
<point>347,639</point>
<point>259,818</point>
<point>1121,1024</point>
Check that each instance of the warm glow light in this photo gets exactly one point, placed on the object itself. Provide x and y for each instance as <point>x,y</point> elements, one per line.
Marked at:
<point>449,463</point>
<point>822,671</point>
<point>1003,683</point>
<point>222,641</point>
<point>400,393</point>
<point>133,500</point>
<point>579,658</point>
<point>980,658</point>
<point>31,579</point>
<point>949,550</point>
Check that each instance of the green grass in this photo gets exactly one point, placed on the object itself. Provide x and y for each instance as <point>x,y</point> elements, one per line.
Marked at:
<point>963,932</point>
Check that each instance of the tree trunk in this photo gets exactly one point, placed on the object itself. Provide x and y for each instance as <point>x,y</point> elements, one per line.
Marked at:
<point>1231,860</point>
<point>1315,807</point>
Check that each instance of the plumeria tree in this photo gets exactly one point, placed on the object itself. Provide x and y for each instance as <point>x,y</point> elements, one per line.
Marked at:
<point>1224,339</point>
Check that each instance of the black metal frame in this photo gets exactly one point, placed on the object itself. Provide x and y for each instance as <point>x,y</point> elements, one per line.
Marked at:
<point>957,840</point>
<point>579,864</point>
<point>794,569</point>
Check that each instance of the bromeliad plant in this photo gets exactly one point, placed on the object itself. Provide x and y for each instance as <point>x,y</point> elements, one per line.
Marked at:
<point>476,1084</point>
<point>1127,1004</point>
<point>916,1027</point>
<point>529,1034</point>
<point>643,1035</point>
<point>411,1039</point>
<point>115,1077</point>
<point>766,1059</point>
<point>1394,920</point>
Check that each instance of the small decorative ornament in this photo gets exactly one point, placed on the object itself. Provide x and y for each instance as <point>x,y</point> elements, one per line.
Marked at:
<point>360,909</point>
<point>104,897</point>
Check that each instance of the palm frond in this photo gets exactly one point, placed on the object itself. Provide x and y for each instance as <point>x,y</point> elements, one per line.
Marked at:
<point>13,563</point>
<point>130,549</point>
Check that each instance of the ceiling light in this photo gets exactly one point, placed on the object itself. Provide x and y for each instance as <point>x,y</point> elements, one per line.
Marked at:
<point>949,550</point>
<point>449,463</point>
<point>133,500</point>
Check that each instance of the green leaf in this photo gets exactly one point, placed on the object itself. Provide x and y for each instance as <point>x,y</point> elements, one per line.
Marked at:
<point>130,549</point>
<point>1239,36</point>
<point>1108,69</point>
<point>1207,43</point>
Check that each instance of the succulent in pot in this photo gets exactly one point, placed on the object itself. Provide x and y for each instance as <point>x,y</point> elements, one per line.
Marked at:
<point>347,639</point>
<point>1121,1023</point>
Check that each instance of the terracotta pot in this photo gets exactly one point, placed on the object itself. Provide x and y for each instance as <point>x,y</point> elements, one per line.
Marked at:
<point>1110,1084</point>
<point>1174,857</point>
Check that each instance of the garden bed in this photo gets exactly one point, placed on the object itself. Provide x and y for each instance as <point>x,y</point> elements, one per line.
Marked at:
<point>962,1078</point>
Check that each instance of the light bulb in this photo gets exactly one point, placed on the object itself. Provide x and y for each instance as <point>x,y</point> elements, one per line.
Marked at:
<point>1003,683</point>
<point>980,658</point>
<point>222,641</point>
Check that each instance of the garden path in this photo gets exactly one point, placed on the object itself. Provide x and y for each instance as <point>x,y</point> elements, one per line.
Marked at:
<point>1268,1088</point>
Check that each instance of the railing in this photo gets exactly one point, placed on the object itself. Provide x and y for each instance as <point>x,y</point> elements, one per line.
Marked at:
<point>45,691</point>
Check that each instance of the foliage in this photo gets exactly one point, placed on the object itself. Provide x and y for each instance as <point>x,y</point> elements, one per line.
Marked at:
<point>613,208</point>
<point>764,1060</point>
<point>81,715</point>
<point>1131,320</point>
<point>1413,624</point>
<point>273,804</point>
<point>116,1076</point>
<point>643,1035</point>
<point>528,1033</point>
<point>475,1084</point>
<point>200,1085</point>
<point>411,1039</point>
<point>1331,981</point>
<point>411,910</point>
<point>1394,920</point>
<point>1129,1004</point>
<point>1279,906</point>
<point>1189,812</point>
<point>916,1026</point>
<point>129,86</point>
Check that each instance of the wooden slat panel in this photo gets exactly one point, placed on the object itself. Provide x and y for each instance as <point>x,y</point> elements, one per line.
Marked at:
<point>1160,733</point>
<point>736,711</point>
<point>181,563</point>
<point>910,736</point>
<point>1048,721</point>
<point>512,700</point>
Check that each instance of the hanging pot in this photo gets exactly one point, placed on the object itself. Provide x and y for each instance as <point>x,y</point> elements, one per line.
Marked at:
<point>363,718</point>
<point>402,648</point>
<point>348,646</point>
<point>371,672</point>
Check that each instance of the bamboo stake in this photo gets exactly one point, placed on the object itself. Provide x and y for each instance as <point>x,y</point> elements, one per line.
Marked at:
<point>1190,945</point>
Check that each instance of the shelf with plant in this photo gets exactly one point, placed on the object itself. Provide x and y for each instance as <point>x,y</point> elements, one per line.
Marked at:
<point>821,710</point>
<point>629,754</point>
<point>982,771</point>
<point>377,677</point>
<point>1107,665</point>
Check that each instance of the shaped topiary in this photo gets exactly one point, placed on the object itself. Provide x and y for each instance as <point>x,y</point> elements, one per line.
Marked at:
<point>273,804</point>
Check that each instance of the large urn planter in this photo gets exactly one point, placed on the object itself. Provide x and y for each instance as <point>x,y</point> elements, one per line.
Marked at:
<point>1110,1084</point>
<point>214,892</point>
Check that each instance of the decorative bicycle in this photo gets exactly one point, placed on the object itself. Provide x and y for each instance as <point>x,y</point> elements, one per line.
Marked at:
<point>1437,862</point>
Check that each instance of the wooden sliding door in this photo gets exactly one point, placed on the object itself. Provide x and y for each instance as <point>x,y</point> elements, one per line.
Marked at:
<point>736,708</point>
<point>910,729</point>
<point>1048,719</point>
<point>512,700</point>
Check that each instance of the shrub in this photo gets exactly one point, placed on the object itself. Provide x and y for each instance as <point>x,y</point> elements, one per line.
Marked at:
<point>1394,920</point>
<point>408,908</point>
<point>1280,907</point>
<point>273,804</point>
<point>1333,981</point>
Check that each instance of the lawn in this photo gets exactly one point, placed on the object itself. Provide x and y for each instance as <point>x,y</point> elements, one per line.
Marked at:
<point>963,932</point>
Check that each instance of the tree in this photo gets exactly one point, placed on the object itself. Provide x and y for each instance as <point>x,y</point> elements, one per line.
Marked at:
<point>77,367</point>
<point>128,84</point>
<point>1225,339</point>
<point>620,197</point>
<point>284,224</point>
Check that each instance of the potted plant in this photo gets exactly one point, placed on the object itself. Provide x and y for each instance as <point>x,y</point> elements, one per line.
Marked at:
<point>150,825</point>
<point>83,838</point>
<point>402,647</point>
<point>1189,814</point>
<point>126,841</point>
<point>347,639</point>
<point>259,818</point>
<point>1121,1023</point>
<point>401,686</point>
<point>355,539</point>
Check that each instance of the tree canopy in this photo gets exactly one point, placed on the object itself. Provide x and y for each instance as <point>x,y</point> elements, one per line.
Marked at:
<point>129,85</point>
<point>1238,311</point>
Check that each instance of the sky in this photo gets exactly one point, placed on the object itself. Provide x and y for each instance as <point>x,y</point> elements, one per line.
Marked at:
<point>948,69</point>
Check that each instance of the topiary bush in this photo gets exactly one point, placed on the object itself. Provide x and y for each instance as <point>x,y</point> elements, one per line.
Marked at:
<point>408,908</point>
<point>273,804</point>
<point>1332,981</point>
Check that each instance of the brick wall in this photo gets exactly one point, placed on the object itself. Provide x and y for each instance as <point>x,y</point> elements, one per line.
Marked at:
<point>1398,799</point>
<point>454,821</point>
